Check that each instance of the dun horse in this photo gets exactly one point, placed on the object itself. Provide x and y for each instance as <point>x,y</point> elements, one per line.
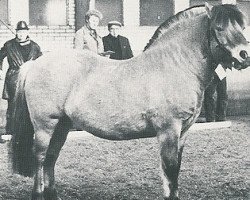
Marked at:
<point>156,94</point>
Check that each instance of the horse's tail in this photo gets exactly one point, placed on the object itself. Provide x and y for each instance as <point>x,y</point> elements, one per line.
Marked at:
<point>21,146</point>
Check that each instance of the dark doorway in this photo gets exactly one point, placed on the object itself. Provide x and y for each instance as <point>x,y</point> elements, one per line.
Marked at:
<point>82,6</point>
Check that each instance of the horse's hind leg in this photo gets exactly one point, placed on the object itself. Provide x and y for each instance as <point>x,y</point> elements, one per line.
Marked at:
<point>57,141</point>
<point>43,136</point>
<point>170,163</point>
<point>43,132</point>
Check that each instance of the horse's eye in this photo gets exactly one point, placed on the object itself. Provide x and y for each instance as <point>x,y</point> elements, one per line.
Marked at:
<point>219,29</point>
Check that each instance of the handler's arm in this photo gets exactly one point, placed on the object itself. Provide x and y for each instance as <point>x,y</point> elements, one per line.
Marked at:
<point>3,54</point>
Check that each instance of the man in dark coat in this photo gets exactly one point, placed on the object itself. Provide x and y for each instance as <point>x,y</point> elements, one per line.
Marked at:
<point>215,110</point>
<point>18,51</point>
<point>117,43</point>
<point>215,96</point>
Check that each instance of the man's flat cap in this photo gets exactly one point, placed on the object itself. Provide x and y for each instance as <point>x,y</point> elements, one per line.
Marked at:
<point>114,23</point>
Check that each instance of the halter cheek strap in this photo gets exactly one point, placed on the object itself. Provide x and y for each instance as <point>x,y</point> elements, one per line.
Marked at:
<point>219,43</point>
<point>214,62</point>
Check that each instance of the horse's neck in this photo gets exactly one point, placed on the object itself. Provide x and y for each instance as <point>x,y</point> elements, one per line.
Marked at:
<point>186,47</point>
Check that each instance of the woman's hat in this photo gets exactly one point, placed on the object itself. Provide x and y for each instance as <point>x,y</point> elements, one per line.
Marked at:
<point>93,12</point>
<point>22,25</point>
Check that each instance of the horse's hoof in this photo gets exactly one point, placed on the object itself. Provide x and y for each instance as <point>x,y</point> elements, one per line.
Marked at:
<point>37,196</point>
<point>50,194</point>
<point>171,198</point>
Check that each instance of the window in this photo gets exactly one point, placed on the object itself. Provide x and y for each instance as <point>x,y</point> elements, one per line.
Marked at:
<point>4,11</point>
<point>111,10</point>
<point>48,12</point>
<point>202,2</point>
<point>155,12</point>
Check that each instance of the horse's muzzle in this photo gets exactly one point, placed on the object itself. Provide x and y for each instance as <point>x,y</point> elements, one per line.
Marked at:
<point>241,65</point>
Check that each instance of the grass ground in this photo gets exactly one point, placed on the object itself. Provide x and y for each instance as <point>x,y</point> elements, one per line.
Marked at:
<point>215,166</point>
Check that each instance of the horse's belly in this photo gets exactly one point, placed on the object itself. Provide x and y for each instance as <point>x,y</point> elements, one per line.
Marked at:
<point>118,135</point>
<point>106,115</point>
<point>113,127</point>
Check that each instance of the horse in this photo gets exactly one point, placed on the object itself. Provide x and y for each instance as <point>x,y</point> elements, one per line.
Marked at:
<point>158,93</point>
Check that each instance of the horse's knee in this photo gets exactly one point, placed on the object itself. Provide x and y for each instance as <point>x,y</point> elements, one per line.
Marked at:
<point>170,171</point>
<point>169,149</point>
<point>169,156</point>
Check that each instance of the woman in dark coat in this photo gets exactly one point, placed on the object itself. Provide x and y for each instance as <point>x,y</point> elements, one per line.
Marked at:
<point>18,51</point>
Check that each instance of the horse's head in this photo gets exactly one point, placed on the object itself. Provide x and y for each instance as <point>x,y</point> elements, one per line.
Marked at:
<point>228,43</point>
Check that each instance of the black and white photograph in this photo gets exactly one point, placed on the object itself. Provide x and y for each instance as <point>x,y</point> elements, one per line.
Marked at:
<point>124,99</point>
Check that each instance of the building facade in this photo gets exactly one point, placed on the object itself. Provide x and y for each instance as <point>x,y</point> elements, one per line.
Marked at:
<point>54,22</point>
<point>51,22</point>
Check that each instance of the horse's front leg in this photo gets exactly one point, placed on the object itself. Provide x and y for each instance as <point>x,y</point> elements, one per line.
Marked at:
<point>170,163</point>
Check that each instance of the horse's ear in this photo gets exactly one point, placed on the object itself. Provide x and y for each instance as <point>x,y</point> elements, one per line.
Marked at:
<point>208,8</point>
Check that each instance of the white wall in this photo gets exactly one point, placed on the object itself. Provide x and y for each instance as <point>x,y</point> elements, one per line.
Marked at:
<point>18,11</point>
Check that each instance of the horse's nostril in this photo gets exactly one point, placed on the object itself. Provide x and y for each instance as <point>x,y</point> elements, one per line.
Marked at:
<point>243,54</point>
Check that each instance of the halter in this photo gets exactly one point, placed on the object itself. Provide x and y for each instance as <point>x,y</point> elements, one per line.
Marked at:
<point>211,34</point>
<point>219,43</point>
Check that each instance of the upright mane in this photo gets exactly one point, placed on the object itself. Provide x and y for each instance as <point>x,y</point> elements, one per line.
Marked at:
<point>185,14</point>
